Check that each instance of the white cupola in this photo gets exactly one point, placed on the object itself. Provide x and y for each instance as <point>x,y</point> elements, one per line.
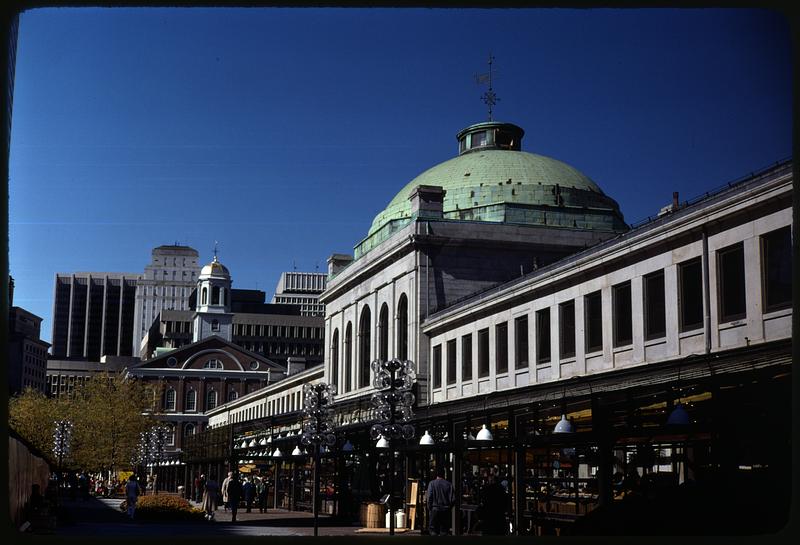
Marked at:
<point>213,311</point>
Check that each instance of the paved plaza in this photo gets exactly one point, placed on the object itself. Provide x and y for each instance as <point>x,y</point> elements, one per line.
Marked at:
<point>102,517</point>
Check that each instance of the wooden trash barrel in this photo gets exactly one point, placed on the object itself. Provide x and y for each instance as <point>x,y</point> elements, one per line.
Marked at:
<point>375,515</point>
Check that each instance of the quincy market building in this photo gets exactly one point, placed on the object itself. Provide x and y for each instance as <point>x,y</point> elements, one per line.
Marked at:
<point>609,364</point>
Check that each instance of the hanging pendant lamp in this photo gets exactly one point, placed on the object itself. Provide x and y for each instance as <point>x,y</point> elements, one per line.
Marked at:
<point>484,434</point>
<point>426,439</point>
<point>564,426</point>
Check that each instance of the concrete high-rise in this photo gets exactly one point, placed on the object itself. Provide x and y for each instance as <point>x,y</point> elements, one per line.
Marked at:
<point>167,284</point>
<point>303,289</point>
<point>93,314</point>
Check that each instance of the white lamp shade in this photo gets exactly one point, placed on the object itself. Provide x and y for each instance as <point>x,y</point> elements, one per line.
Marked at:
<point>263,441</point>
<point>564,425</point>
<point>269,439</point>
<point>678,416</point>
<point>382,442</point>
<point>277,453</point>
<point>426,439</point>
<point>297,452</point>
<point>243,445</point>
<point>252,443</point>
<point>348,446</point>
<point>484,434</point>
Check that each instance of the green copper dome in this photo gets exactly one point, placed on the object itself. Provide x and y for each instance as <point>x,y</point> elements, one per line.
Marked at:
<point>492,180</point>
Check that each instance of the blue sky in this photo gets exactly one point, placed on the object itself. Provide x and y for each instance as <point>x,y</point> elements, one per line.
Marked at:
<point>281,133</point>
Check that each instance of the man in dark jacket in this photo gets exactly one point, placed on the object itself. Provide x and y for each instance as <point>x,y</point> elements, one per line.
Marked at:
<point>234,494</point>
<point>440,497</point>
<point>249,491</point>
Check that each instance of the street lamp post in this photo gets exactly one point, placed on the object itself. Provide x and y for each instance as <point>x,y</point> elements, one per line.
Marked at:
<point>317,430</point>
<point>62,436</point>
<point>392,405</point>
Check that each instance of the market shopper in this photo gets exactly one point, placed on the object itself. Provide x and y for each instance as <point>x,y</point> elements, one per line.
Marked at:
<point>234,495</point>
<point>210,496</point>
<point>132,492</point>
<point>440,497</point>
<point>492,512</point>
<point>261,494</point>
<point>225,483</point>
<point>249,491</point>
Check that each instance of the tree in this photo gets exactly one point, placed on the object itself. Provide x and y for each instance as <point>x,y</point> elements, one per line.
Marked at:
<point>111,411</point>
<point>33,416</point>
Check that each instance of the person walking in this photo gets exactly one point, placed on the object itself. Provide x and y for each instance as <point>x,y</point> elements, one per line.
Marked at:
<point>132,492</point>
<point>494,501</point>
<point>224,490</point>
<point>196,488</point>
<point>234,495</point>
<point>261,494</point>
<point>440,497</point>
<point>210,492</point>
<point>249,491</point>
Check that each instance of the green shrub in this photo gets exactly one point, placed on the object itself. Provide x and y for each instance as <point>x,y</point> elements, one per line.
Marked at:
<point>163,508</point>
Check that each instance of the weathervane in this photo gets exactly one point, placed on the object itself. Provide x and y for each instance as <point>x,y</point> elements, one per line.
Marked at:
<point>489,97</point>
<point>215,250</point>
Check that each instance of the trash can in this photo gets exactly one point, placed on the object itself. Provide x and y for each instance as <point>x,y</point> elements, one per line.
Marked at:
<point>399,519</point>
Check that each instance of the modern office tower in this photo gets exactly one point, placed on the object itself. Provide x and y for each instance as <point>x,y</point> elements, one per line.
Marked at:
<point>167,284</point>
<point>93,315</point>
<point>304,289</point>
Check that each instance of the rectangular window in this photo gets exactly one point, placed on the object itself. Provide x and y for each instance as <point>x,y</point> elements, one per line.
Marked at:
<point>437,366</point>
<point>655,321</point>
<point>776,259</point>
<point>623,314</point>
<point>593,310</point>
<point>690,294</point>
<point>466,358</point>
<point>543,335</point>
<point>521,342</point>
<point>730,268</point>
<point>501,347</point>
<point>483,353</point>
<point>566,329</point>
<point>451,362</point>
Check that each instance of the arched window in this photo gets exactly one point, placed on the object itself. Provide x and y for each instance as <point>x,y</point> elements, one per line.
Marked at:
<point>383,333</point>
<point>171,435</point>
<point>191,400</point>
<point>215,295</point>
<point>222,296</point>
<point>169,400</point>
<point>402,328</point>
<point>348,356</point>
<point>211,400</point>
<point>189,429</point>
<point>335,357</point>
<point>233,395</point>
<point>364,341</point>
<point>204,296</point>
<point>214,325</point>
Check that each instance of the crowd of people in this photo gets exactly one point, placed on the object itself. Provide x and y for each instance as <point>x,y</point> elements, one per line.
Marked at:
<point>231,493</point>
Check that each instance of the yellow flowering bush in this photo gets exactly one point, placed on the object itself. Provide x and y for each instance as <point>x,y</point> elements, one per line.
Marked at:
<point>164,507</point>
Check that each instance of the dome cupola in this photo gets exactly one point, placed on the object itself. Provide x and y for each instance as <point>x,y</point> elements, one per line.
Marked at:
<point>492,180</point>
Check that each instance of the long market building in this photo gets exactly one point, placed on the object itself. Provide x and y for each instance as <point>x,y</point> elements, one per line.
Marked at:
<point>600,359</point>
